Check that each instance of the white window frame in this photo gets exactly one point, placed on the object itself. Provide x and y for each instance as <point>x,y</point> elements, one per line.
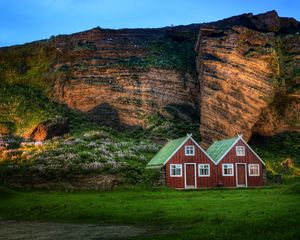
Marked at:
<point>177,166</point>
<point>249,168</point>
<point>208,169</point>
<point>240,151</point>
<point>189,148</point>
<point>223,168</point>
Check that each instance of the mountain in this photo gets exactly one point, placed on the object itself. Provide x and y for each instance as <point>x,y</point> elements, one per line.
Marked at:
<point>240,75</point>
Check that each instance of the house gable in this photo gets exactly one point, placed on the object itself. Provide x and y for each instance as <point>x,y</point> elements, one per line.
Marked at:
<point>183,160</point>
<point>203,151</point>
<point>170,149</point>
<point>253,151</point>
<point>236,160</point>
<point>219,149</point>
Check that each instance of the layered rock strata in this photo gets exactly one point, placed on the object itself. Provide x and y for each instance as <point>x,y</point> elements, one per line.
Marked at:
<point>236,69</point>
<point>102,73</point>
<point>249,77</point>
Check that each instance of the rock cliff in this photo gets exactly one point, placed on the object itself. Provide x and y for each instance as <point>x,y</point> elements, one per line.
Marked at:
<point>249,76</point>
<point>120,76</point>
<point>242,78</point>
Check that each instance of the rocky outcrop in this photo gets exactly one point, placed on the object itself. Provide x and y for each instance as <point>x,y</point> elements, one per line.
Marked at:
<point>4,130</point>
<point>117,77</point>
<point>125,96</point>
<point>240,71</point>
<point>236,74</point>
<point>265,22</point>
<point>48,129</point>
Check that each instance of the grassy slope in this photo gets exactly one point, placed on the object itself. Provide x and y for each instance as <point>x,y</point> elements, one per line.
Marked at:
<point>26,85</point>
<point>212,214</point>
<point>22,107</point>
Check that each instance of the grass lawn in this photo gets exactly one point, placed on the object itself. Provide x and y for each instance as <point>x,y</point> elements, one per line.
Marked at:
<point>269,213</point>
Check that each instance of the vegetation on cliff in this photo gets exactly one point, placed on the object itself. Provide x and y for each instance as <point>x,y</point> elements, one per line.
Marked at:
<point>28,65</point>
<point>167,54</point>
<point>289,62</point>
<point>24,106</point>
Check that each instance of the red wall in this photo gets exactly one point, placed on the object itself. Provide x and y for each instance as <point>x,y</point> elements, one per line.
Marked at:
<point>215,177</point>
<point>249,158</point>
<point>199,157</point>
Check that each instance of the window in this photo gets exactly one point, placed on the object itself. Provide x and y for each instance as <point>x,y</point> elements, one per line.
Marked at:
<point>240,150</point>
<point>227,169</point>
<point>204,170</point>
<point>176,170</point>
<point>253,169</point>
<point>189,150</point>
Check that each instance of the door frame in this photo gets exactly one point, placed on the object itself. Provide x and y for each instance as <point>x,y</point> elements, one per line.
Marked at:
<point>236,175</point>
<point>195,174</point>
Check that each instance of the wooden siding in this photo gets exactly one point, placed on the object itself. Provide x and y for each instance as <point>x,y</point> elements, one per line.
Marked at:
<point>199,158</point>
<point>249,158</point>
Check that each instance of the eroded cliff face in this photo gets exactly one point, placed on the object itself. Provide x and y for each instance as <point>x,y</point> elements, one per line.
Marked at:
<point>121,76</point>
<point>246,86</point>
<point>235,69</point>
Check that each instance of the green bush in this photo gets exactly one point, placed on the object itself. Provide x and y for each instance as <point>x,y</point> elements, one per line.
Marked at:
<point>276,149</point>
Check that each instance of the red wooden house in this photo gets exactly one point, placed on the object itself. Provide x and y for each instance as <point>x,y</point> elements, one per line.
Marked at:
<point>185,164</point>
<point>228,163</point>
<point>237,165</point>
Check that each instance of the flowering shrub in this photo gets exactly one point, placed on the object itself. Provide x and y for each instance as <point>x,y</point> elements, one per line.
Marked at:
<point>145,147</point>
<point>95,135</point>
<point>92,166</point>
<point>92,144</point>
<point>93,151</point>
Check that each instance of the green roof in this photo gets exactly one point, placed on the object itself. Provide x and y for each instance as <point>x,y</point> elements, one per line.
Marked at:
<point>165,153</point>
<point>218,148</point>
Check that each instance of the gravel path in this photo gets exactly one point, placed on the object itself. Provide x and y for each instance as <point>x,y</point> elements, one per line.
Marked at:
<point>16,230</point>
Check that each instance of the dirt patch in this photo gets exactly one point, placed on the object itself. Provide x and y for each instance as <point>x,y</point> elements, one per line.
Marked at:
<point>15,230</point>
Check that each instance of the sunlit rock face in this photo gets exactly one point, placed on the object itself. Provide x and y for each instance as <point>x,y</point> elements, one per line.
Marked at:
<point>235,70</point>
<point>127,95</point>
<point>241,73</point>
<point>48,129</point>
<point>105,73</point>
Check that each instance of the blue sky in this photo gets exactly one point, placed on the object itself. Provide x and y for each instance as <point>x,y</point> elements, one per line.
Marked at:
<point>28,20</point>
